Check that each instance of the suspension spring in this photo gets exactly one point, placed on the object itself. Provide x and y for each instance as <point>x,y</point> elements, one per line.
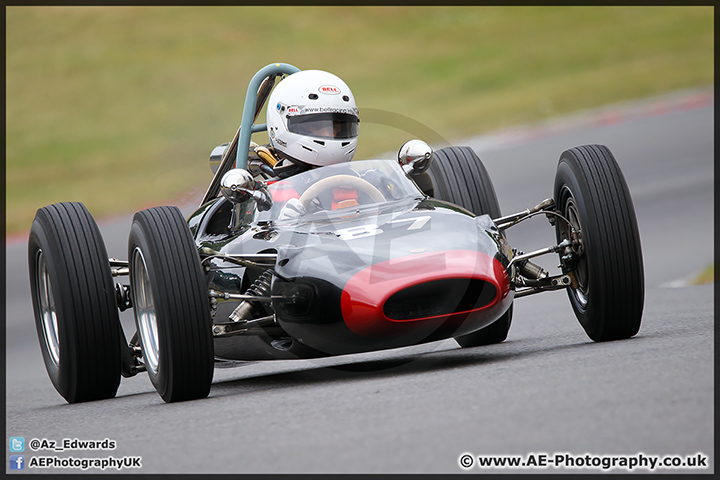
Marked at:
<point>261,286</point>
<point>246,310</point>
<point>529,269</point>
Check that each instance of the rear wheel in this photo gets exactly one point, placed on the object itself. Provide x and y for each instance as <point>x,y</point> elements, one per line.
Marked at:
<point>590,191</point>
<point>458,176</point>
<point>171,306</point>
<point>73,299</point>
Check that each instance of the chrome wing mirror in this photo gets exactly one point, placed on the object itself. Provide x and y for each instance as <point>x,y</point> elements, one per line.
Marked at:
<point>415,156</point>
<point>238,186</point>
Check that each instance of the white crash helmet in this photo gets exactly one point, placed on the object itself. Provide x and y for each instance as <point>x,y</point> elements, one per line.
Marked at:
<point>312,119</point>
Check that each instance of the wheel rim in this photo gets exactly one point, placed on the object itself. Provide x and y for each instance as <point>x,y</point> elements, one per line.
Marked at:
<point>48,314</point>
<point>571,213</point>
<point>145,315</point>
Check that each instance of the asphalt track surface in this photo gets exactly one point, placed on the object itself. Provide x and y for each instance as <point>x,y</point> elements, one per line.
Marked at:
<point>548,389</point>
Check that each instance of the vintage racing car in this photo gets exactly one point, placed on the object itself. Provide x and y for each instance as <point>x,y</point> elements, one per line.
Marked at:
<point>418,254</point>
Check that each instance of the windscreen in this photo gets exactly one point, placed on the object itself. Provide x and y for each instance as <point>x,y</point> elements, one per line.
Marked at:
<point>384,175</point>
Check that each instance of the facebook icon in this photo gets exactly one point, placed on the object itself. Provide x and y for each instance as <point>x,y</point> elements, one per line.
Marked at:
<point>17,462</point>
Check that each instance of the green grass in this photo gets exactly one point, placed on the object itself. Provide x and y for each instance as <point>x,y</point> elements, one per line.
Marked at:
<point>119,107</point>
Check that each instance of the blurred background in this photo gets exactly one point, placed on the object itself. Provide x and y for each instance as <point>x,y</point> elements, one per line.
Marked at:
<point>119,107</point>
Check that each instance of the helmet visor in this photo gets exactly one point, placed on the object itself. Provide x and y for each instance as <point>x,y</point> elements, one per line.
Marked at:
<point>325,125</point>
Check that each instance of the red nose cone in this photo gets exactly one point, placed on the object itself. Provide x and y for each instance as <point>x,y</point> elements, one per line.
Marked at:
<point>427,288</point>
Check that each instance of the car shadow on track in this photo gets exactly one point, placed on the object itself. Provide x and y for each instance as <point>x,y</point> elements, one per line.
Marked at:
<point>344,370</point>
<point>358,368</point>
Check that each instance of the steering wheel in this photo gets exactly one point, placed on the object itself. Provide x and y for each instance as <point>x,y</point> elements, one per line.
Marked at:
<point>341,181</point>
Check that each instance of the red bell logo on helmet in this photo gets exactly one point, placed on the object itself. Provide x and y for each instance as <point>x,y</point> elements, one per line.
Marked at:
<point>329,90</point>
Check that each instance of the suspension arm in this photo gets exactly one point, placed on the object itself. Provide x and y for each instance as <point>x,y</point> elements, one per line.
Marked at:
<point>263,260</point>
<point>119,267</point>
<point>238,296</point>
<point>510,220</point>
<point>546,284</point>
<point>537,253</point>
<point>265,325</point>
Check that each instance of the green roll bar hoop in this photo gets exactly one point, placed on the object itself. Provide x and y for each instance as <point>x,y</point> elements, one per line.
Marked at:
<point>241,142</point>
<point>250,106</point>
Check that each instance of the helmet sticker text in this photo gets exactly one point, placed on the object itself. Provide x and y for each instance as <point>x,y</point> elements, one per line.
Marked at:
<point>329,90</point>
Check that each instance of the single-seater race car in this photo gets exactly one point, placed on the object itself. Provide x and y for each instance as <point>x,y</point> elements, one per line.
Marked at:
<point>411,251</point>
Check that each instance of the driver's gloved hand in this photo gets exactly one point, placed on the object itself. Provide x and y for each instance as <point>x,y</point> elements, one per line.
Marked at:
<point>292,209</point>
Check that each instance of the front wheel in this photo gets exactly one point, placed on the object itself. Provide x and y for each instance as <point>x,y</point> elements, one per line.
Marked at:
<point>172,311</point>
<point>590,191</point>
<point>74,302</point>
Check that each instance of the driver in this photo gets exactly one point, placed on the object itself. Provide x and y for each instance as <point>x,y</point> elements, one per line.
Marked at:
<point>312,121</point>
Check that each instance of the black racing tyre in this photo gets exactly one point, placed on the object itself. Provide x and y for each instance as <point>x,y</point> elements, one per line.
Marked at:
<point>590,191</point>
<point>73,298</point>
<point>171,305</point>
<point>458,176</point>
<point>496,332</point>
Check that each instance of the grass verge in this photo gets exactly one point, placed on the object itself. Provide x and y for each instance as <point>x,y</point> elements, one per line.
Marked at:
<point>119,107</point>
<point>706,276</point>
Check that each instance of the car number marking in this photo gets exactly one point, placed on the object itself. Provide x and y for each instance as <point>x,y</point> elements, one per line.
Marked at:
<point>358,232</point>
<point>416,223</point>
<point>362,231</point>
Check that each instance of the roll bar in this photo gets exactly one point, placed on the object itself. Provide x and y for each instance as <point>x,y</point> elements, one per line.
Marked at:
<point>241,143</point>
<point>248,115</point>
